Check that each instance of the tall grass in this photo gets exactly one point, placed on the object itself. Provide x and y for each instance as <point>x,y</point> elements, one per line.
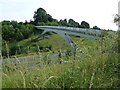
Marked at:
<point>90,67</point>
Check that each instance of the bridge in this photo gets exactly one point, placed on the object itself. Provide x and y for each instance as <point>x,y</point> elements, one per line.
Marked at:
<point>64,32</point>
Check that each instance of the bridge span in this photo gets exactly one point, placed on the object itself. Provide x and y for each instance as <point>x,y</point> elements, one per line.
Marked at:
<point>66,31</point>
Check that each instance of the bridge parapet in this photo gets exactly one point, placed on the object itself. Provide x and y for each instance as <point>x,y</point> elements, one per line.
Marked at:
<point>72,29</point>
<point>64,31</point>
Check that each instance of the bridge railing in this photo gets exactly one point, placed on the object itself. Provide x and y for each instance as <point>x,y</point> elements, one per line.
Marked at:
<point>93,32</point>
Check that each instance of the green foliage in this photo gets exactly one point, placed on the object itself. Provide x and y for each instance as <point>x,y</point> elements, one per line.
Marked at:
<point>63,22</point>
<point>32,44</point>
<point>41,16</point>
<point>13,31</point>
<point>53,23</point>
<point>72,23</point>
<point>90,67</point>
<point>84,24</point>
<point>94,65</point>
<point>95,27</point>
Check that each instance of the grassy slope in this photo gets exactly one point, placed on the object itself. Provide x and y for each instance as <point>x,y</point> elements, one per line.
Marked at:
<point>33,45</point>
<point>91,68</point>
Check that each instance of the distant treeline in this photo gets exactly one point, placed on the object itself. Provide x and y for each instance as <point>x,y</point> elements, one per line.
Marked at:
<point>16,31</point>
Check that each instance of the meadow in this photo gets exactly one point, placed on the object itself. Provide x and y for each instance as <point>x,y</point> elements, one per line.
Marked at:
<point>94,65</point>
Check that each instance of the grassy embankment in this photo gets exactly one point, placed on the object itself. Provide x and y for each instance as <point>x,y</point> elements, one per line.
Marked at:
<point>93,66</point>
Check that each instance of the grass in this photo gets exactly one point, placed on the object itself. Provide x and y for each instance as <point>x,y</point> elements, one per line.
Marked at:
<point>95,73</point>
<point>34,45</point>
<point>93,66</point>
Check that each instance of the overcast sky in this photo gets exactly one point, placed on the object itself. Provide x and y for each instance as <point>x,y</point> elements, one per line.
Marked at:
<point>95,12</point>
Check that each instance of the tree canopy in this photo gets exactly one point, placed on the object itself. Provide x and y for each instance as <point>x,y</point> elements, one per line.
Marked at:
<point>96,27</point>
<point>16,31</point>
<point>41,16</point>
<point>85,24</point>
<point>13,31</point>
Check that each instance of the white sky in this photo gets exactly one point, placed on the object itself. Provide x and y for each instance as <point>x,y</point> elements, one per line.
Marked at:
<point>95,12</point>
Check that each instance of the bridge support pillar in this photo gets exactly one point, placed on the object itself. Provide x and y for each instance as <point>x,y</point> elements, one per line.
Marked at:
<point>69,41</point>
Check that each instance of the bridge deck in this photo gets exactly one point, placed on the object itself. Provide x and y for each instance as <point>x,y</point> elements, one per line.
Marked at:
<point>75,31</point>
<point>70,28</point>
<point>64,31</point>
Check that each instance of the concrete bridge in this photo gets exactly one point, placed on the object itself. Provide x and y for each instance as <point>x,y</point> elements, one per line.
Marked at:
<point>66,31</point>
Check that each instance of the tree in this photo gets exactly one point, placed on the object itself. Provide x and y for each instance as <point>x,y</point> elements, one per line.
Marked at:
<point>84,24</point>
<point>49,18</point>
<point>8,31</point>
<point>95,27</point>
<point>14,24</point>
<point>72,23</point>
<point>14,31</point>
<point>63,22</point>
<point>40,15</point>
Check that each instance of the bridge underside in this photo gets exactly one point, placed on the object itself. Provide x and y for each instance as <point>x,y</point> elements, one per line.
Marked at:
<point>65,32</point>
<point>66,37</point>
